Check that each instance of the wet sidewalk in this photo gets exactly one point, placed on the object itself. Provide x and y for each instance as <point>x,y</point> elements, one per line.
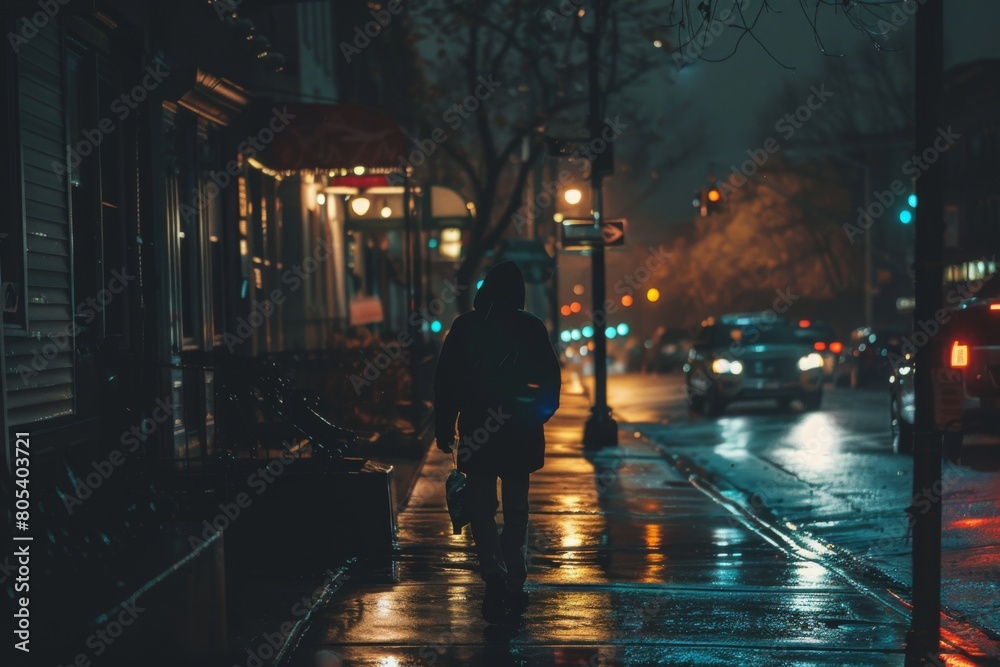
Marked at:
<point>629,565</point>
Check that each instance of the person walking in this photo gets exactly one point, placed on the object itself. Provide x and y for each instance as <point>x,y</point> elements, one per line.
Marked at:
<point>499,376</point>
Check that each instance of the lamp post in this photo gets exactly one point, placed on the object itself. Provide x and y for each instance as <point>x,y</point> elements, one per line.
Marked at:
<point>600,430</point>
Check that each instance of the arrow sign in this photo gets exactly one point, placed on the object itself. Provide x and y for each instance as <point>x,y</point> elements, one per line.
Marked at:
<point>613,232</point>
<point>582,233</point>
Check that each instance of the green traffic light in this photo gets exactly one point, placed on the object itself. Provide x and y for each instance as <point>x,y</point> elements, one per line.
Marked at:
<point>912,201</point>
<point>905,217</point>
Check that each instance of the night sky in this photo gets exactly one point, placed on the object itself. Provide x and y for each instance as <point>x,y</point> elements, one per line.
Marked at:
<point>733,94</point>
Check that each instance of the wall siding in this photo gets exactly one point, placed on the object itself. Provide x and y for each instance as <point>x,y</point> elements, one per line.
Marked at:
<point>47,390</point>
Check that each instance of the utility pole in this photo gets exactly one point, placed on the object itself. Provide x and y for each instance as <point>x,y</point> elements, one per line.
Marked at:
<point>601,430</point>
<point>923,637</point>
<point>868,243</point>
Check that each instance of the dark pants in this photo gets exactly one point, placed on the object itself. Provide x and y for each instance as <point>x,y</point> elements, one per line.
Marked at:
<point>507,551</point>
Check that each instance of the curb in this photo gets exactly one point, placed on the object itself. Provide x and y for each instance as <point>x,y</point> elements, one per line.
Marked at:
<point>321,596</point>
<point>851,568</point>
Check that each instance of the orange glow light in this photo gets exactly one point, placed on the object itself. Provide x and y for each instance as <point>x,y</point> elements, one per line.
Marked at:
<point>804,324</point>
<point>653,294</point>
<point>836,347</point>
<point>995,306</point>
<point>566,312</point>
<point>627,300</point>
<point>819,346</point>
<point>714,195</point>
<point>575,307</point>
<point>959,355</point>
<point>973,522</point>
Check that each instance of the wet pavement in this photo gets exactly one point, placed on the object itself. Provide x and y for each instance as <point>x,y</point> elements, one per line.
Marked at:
<point>831,477</point>
<point>630,564</point>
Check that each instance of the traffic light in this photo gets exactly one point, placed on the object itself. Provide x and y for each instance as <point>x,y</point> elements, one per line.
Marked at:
<point>909,212</point>
<point>713,198</point>
<point>708,200</point>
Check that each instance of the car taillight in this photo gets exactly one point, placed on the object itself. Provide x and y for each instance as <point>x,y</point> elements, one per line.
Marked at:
<point>819,346</point>
<point>959,355</point>
<point>836,347</point>
<point>995,306</point>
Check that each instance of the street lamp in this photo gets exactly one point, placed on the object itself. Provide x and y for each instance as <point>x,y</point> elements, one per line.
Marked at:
<point>573,196</point>
<point>601,430</point>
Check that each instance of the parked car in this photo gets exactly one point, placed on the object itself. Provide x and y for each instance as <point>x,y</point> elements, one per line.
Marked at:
<point>971,347</point>
<point>821,337</point>
<point>749,357</point>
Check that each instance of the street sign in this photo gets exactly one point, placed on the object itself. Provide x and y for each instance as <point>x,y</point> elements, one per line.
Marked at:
<point>581,234</point>
<point>613,232</point>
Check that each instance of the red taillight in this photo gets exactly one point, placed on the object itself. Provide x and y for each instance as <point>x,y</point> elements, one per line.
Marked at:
<point>804,324</point>
<point>819,346</point>
<point>959,355</point>
<point>836,347</point>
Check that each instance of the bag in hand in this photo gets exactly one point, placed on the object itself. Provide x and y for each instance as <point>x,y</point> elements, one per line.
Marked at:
<point>458,505</point>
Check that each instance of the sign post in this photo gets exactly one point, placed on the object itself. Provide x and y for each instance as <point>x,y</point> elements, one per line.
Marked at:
<point>601,430</point>
<point>583,234</point>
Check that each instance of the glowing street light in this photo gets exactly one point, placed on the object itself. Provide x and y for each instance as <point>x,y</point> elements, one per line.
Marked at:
<point>573,196</point>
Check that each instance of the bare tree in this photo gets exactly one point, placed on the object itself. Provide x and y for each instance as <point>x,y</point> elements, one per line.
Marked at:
<point>779,230</point>
<point>503,75</point>
<point>714,30</point>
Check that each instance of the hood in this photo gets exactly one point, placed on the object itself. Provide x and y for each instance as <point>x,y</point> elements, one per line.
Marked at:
<point>503,288</point>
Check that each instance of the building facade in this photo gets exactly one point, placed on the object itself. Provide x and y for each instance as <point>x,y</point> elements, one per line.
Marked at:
<point>172,197</point>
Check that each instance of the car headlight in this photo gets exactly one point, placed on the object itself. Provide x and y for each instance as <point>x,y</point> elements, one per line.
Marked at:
<point>726,366</point>
<point>810,361</point>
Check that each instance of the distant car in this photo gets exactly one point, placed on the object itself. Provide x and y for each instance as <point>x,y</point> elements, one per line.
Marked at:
<point>864,361</point>
<point>821,337</point>
<point>901,405</point>
<point>971,346</point>
<point>671,351</point>
<point>751,357</point>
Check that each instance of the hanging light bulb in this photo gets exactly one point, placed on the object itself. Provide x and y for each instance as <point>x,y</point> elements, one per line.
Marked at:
<point>360,205</point>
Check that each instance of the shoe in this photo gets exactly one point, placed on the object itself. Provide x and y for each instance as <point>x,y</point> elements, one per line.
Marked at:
<point>517,601</point>
<point>495,600</point>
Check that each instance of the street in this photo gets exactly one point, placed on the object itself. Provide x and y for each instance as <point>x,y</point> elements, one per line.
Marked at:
<point>297,295</point>
<point>832,476</point>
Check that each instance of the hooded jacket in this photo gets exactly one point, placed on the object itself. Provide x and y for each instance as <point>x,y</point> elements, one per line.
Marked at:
<point>487,354</point>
